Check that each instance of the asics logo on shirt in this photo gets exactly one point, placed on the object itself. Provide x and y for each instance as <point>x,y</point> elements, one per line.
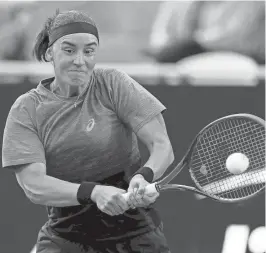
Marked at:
<point>90,125</point>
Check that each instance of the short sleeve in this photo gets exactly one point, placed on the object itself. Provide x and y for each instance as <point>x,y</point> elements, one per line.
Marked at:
<point>134,105</point>
<point>21,143</point>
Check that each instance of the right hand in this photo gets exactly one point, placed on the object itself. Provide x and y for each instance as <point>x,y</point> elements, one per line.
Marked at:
<point>137,193</point>
<point>109,199</point>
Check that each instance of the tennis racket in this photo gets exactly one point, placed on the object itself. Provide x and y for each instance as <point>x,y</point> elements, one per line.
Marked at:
<point>207,155</point>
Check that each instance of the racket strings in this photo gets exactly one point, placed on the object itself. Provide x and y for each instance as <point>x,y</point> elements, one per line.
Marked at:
<point>257,158</point>
<point>258,163</point>
<point>227,148</point>
<point>238,142</point>
<point>252,184</point>
<point>237,189</point>
<point>212,150</point>
<point>213,141</point>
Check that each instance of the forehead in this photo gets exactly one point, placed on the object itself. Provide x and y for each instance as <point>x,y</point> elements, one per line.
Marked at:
<point>79,39</point>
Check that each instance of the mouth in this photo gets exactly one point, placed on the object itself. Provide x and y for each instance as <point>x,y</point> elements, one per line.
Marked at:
<point>77,71</point>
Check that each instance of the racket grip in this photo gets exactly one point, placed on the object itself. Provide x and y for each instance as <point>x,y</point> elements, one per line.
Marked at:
<point>126,196</point>
<point>149,190</point>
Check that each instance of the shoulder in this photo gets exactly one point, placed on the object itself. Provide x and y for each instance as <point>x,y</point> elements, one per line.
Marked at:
<point>26,99</point>
<point>22,101</point>
<point>111,76</point>
<point>113,79</point>
<point>25,103</point>
<point>108,72</point>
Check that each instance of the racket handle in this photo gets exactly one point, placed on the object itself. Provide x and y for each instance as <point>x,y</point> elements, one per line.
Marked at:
<point>149,190</point>
<point>126,196</point>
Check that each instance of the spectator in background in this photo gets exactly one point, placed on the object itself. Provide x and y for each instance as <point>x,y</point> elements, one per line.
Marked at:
<point>186,28</point>
<point>13,33</point>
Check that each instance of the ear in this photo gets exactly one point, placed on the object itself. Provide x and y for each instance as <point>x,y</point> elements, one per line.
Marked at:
<point>49,54</point>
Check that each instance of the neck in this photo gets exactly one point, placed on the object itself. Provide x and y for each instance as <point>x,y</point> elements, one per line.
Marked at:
<point>67,90</point>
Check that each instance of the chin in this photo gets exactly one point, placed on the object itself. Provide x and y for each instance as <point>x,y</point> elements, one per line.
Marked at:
<point>77,82</point>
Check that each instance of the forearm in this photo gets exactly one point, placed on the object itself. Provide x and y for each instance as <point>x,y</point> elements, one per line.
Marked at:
<point>161,157</point>
<point>50,191</point>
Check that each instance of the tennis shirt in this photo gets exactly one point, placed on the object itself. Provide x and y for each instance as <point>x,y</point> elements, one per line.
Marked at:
<point>90,138</point>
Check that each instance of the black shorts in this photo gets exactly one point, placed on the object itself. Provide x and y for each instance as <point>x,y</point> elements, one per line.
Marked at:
<point>150,242</point>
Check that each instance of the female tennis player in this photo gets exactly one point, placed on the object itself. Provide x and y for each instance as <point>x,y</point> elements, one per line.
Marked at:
<point>72,143</point>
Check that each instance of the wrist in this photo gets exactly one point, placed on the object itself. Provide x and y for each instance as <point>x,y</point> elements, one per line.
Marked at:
<point>146,172</point>
<point>94,193</point>
<point>84,193</point>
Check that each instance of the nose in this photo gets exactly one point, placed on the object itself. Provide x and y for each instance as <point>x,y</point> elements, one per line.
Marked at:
<point>79,59</point>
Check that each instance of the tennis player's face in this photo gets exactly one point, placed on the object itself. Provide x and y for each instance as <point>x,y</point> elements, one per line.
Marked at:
<point>74,58</point>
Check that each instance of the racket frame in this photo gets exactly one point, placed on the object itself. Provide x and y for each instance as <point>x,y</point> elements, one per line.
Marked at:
<point>163,184</point>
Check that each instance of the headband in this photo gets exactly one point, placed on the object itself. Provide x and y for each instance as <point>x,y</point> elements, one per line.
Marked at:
<point>77,27</point>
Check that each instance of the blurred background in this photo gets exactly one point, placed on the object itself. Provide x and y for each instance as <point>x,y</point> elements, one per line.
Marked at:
<point>202,59</point>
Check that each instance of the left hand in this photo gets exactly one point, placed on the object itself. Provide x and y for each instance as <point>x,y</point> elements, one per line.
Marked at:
<point>138,197</point>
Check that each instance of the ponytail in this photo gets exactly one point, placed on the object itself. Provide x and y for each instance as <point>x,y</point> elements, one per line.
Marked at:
<point>41,45</point>
<point>42,39</point>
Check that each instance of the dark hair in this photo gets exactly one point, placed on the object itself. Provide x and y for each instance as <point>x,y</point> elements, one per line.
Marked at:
<point>59,19</point>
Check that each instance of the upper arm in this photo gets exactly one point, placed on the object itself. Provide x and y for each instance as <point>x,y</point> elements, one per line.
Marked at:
<point>154,131</point>
<point>160,119</point>
<point>21,142</point>
<point>27,174</point>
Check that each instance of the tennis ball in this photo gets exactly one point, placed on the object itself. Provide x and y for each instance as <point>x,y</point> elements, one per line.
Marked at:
<point>237,163</point>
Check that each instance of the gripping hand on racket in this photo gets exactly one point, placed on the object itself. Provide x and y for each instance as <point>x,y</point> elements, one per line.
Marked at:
<point>109,199</point>
<point>138,197</point>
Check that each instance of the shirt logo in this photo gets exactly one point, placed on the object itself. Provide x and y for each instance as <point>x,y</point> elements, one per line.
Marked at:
<point>90,125</point>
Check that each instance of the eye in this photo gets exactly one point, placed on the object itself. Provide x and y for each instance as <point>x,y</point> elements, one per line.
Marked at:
<point>89,51</point>
<point>69,50</point>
